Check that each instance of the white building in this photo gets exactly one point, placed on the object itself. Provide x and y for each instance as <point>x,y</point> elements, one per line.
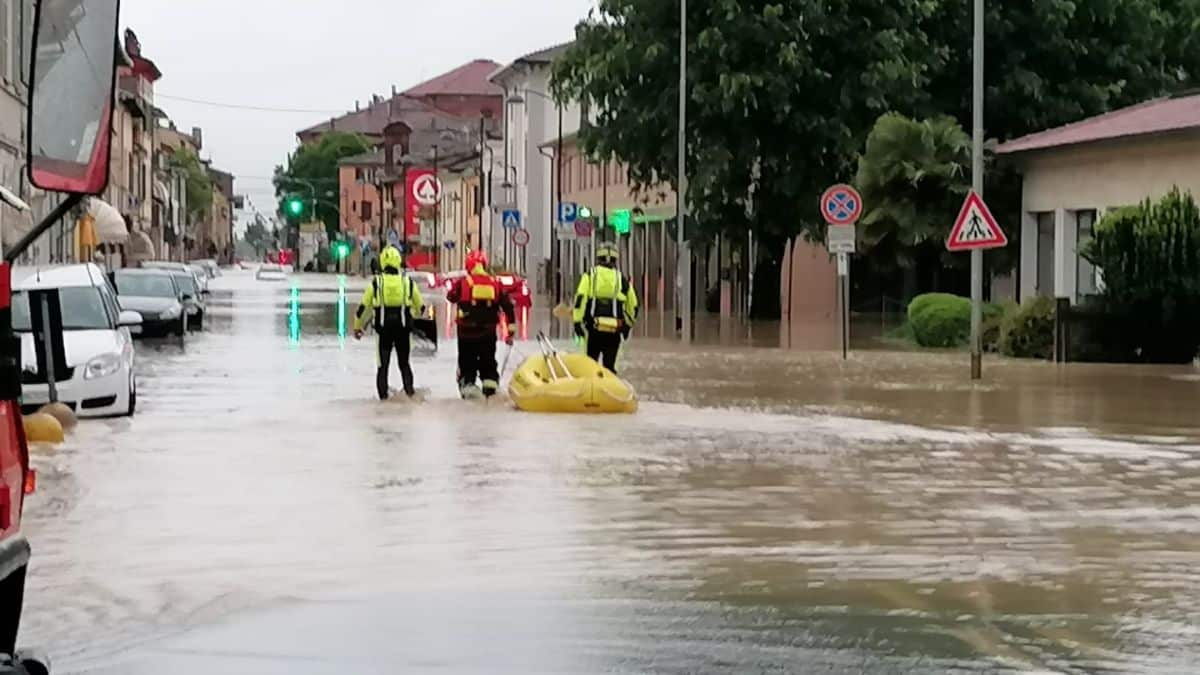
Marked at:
<point>532,119</point>
<point>1073,174</point>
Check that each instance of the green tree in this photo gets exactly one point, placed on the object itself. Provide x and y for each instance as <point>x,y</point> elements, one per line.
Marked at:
<point>913,178</point>
<point>198,184</point>
<point>787,87</point>
<point>312,170</point>
<point>258,236</point>
<point>794,86</point>
<point>1150,258</point>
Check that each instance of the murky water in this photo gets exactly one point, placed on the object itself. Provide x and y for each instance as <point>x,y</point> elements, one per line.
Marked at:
<point>766,511</point>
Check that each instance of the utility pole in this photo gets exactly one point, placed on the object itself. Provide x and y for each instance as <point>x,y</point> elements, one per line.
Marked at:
<point>977,185</point>
<point>437,214</point>
<point>555,251</point>
<point>683,267</point>
<point>479,197</point>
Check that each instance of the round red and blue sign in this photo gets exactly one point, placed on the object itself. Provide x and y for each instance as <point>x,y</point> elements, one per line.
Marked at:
<point>841,205</point>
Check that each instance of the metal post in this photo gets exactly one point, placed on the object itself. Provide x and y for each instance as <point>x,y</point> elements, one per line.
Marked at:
<point>977,184</point>
<point>843,265</point>
<point>437,214</point>
<point>48,346</point>
<point>479,196</point>
<point>683,268</point>
<point>555,250</point>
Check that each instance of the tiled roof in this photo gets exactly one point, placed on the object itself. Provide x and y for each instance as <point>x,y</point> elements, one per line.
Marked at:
<point>540,57</point>
<point>469,79</point>
<point>1152,117</point>
<point>372,119</point>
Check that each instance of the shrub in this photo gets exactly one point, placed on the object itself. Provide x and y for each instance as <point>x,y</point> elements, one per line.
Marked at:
<point>1150,257</point>
<point>993,322</point>
<point>940,319</point>
<point>1028,331</point>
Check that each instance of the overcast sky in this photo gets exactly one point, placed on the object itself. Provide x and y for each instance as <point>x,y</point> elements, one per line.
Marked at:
<point>317,55</point>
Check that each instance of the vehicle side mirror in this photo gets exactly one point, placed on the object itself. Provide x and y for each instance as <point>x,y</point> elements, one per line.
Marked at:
<point>128,318</point>
<point>72,75</point>
<point>186,297</point>
<point>206,292</point>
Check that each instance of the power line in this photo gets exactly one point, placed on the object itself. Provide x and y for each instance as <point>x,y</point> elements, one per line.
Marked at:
<point>257,108</point>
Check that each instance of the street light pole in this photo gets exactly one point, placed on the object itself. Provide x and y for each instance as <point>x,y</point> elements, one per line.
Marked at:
<point>437,214</point>
<point>683,268</point>
<point>977,185</point>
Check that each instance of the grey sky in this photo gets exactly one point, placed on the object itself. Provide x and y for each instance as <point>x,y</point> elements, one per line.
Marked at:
<point>317,54</point>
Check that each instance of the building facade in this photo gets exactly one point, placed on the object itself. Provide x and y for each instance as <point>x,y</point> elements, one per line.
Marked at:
<point>1073,174</point>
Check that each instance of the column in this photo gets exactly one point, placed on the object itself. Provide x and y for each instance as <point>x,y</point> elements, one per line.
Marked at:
<point>1066,263</point>
<point>1029,256</point>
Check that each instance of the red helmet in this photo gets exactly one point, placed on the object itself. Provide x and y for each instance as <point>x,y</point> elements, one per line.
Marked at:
<point>475,258</point>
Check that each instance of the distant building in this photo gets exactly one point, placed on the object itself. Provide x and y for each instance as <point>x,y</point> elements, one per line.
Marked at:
<point>447,100</point>
<point>1072,174</point>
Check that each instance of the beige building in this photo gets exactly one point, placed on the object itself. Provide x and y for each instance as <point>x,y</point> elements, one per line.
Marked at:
<point>1073,174</point>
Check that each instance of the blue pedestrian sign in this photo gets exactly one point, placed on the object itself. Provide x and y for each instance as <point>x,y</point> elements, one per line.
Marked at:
<point>567,212</point>
<point>393,237</point>
<point>511,219</point>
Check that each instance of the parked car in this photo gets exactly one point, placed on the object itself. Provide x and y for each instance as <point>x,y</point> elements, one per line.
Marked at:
<point>96,340</point>
<point>155,295</point>
<point>196,270</point>
<point>192,294</point>
<point>210,267</point>
<point>270,272</point>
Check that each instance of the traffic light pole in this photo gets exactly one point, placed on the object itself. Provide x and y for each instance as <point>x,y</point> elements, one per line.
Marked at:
<point>977,185</point>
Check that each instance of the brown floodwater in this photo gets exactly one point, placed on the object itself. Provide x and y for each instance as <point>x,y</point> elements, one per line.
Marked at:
<point>767,510</point>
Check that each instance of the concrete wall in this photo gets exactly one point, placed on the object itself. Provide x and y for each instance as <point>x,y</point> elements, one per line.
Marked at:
<point>1063,187</point>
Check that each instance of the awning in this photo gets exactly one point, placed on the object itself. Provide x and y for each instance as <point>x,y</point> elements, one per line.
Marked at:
<point>109,224</point>
<point>140,246</point>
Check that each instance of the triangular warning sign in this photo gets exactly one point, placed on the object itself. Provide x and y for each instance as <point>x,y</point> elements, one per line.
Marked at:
<point>975,227</point>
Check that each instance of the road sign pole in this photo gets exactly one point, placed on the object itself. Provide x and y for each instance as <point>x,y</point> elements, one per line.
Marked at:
<point>977,184</point>
<point>843,268</point>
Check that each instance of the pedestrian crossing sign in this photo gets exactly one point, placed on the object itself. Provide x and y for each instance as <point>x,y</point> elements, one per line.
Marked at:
<point>511,219</point>
<point>975,227</point>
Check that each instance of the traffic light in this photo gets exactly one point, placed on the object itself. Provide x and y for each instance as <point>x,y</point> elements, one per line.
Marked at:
<point>294,206</point>
<point>341,250</point>
<point>620,220</point>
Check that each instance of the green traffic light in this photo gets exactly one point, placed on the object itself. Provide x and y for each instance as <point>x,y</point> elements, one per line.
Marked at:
<point>620,220</point>
<point>295,207</point>
<point>341,250</point>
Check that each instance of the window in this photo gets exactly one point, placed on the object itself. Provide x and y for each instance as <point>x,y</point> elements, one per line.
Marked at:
<point>1085,272</point>
<point>359,175</point>
<point>366,210</point>
<point>82,309</point>
<point>1045,254</point>
<point>146,285</point>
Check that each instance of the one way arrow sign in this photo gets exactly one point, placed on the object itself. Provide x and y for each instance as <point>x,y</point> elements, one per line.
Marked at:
<point>975,227</point>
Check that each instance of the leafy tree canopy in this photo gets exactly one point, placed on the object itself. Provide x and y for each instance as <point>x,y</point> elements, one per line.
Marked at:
<point>198,184</point>
<point>312,170</point>
<point>793,87</point>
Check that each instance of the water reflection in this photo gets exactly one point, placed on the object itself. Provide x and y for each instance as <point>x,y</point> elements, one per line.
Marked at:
<point>766,510</point>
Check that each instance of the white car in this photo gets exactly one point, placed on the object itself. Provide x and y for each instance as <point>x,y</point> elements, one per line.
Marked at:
<point>97,343</point>
<point>271,272</point>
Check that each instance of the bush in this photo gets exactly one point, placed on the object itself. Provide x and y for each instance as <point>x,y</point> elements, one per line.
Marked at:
<point>1028,331</point>
<point>940,319</point>
<point>993,322</point>
<point>1150,257</point>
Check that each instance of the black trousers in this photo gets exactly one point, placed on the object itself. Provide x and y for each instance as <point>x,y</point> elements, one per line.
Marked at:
<point>604,347</point>
<point>396,338</point>
<point>477,358</point>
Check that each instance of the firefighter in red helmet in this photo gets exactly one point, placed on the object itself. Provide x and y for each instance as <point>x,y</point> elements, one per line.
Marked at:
<point>480,299</point>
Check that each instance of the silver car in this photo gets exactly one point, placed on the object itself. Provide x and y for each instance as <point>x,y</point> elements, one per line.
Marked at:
<point>155,295</point>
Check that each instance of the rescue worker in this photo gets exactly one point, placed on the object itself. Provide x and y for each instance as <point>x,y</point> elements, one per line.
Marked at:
<point>606,308</point>
<point>481,300</point>
<point>394,301</point>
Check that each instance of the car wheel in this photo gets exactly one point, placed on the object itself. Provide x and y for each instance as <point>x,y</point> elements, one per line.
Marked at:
<point>12,595</point>
<point>132,397</point>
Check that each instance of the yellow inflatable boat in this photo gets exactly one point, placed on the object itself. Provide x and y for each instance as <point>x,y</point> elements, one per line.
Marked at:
<point>553,382</point>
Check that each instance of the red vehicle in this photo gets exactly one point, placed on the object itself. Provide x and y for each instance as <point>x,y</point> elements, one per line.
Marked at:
<point>516,287</point>
<point>67,151</point>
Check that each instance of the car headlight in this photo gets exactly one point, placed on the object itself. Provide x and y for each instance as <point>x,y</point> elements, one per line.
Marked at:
<point>102,366</point>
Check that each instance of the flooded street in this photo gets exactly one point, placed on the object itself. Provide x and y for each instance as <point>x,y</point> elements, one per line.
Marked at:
<point>765,511</point>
